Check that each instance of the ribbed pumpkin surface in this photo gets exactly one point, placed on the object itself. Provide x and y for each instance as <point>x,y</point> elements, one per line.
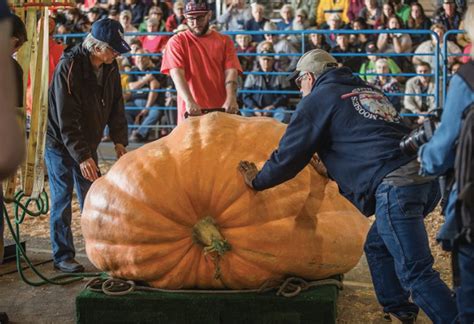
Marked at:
<point>138,219</point>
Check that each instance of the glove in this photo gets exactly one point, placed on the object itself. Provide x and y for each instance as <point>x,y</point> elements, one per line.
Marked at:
<point>249,172</point>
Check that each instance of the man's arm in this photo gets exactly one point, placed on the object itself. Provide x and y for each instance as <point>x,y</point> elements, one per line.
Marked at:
<point>11,139</point>
<point>184,92</point>
<point>230,103</point>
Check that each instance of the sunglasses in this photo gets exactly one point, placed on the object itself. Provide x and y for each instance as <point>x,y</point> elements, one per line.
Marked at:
<point>300,78</point>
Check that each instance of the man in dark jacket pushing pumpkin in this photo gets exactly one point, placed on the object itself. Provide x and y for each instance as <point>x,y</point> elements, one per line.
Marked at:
<point>85,96</point>
<point>356,132</point>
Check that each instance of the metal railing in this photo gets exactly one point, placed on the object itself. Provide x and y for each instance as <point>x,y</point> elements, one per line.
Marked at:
<point>302,34</point>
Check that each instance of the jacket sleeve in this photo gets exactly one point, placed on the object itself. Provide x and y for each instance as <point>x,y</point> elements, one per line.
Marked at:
<point>117,121</point>
<point>294,152</point>
<point>70,111</point>
<point>437,156</point>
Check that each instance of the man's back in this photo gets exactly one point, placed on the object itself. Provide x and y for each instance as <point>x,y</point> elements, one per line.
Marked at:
<point>354,129</point>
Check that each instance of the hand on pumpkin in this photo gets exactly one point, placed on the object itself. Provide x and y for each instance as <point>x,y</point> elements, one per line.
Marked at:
<point>231,107</point>
<point>89,169</point>
<point>249,171</point>
<point>193,109</point>
<point>120,150</point>
<point>318,165</point>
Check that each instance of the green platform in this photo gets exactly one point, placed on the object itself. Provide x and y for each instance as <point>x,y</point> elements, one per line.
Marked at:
<point>313,306</point>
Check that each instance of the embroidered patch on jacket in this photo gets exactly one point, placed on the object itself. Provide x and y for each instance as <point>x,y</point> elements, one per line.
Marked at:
<point>372,105</point>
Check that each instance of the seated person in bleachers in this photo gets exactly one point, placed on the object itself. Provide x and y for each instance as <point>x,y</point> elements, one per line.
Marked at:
<point>309,6</point>
<point>368,66</point>
<point>402,11</point>
<point>257,22</point>
<point>371,12</point>
<point>418,21</point>
<point>126,22</point>
<point>235,15</point>
<point>421,84</point>
<point>281,45</point>
<point>430,45</point>
<point>317,41</point>
<point>143,117</point>
<point>334,23</point>
<point>153,43</point>
<point>448,16</point>
<point>244,45</point>
<point>359,40</point>
<point>355,6</point>
<point>388,84</point>
<point>154,12</point>
<point>272,104</point>
<point>396,43</point>
<point>328,7</point>
<point>287,15</point>
<point>300,22</point>
<point>387,11</point>
<point>344,47</point>
<point>177,18</point>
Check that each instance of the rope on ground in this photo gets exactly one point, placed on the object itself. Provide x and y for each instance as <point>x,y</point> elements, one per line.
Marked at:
<point>20,211</point>
<point>289,287</point>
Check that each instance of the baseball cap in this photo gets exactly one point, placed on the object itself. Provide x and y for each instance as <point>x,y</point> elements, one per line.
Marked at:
<point>196,7</point>
<point>448,1</point>
<point>315,61</point>
<point>111,32</point>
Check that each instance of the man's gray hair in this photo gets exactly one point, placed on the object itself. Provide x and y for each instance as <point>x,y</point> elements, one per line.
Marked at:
<point>91,44</point>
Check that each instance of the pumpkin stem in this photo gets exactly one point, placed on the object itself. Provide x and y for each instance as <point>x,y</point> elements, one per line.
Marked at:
<point>205,232</point>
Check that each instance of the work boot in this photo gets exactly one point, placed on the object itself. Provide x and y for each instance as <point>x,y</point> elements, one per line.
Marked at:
<point>402,318</point>
<point>69,266</point>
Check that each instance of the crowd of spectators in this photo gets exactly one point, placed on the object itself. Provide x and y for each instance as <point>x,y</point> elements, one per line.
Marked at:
<point>282,51</point>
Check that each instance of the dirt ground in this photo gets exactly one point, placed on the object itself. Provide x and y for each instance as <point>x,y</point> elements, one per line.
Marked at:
<point>25,304</point>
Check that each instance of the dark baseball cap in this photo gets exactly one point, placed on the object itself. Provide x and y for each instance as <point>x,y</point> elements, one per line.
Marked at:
<point>196,7</point>
<point>111,32</point>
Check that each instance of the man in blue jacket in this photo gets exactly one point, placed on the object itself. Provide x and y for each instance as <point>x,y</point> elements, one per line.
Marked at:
<point>437,157</point>
<point>356,132</point>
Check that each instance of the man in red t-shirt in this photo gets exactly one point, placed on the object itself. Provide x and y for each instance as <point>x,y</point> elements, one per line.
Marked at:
<point>203,65</point>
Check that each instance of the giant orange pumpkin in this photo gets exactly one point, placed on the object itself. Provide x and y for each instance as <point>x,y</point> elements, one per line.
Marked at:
<point>177,214</point>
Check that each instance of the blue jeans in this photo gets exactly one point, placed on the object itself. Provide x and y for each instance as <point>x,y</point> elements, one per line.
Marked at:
<point>64,174</point>
<point>278,113</point>
<point>399,255</point>
<point>150,120</point>
<point>465,293</point>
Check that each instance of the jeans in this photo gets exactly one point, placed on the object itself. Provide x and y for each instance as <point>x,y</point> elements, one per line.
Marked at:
<point>465,293</point>
<point>278,113</point>
<point>150,120</point>
<point>64,174</point>
<point>399,255</point>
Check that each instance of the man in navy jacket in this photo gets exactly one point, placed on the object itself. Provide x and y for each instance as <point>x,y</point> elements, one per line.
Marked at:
<point>356,132</point>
